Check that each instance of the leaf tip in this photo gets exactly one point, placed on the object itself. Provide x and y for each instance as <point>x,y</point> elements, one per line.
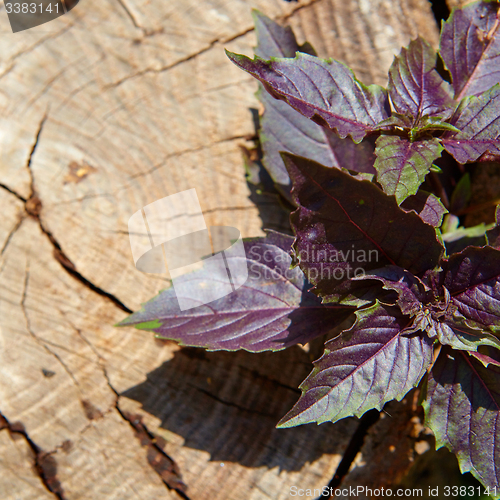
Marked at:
<point>145,325</point>
<point>288,421</point>
<point>234,57</point>
<point>257,15</point>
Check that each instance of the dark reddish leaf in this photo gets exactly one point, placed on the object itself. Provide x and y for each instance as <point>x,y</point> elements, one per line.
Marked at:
<point>396,120</point>
<point>411,291</point>
<point>284,129</point>
<point>487,355</point>
<point>347,227</point>
<point>274,40</point>
<point>432,314</point>
<point>463,410</point>
<point>325,91</point>
<point>470,48</point>
<point>415,87</point>
<point>271,311</point>
<point>363,368</point>
<point>478,119</point>
<point>427,206</point>
<point>473,279</point>
<point>456,334</point>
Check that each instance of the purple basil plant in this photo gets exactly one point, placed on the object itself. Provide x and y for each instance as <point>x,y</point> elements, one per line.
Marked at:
<point>358,164</point>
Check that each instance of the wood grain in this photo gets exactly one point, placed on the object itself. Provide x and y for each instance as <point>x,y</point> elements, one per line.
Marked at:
<point>103,111</point>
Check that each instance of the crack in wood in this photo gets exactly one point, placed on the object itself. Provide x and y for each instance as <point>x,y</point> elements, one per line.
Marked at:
<point>33,206</point>
<point>353,448</point>
<point>10,235</point>
<point>34,335</point>
<point>130,15</point>
<point>183,152</point>
<point>100,359</point>
<point>261,376</point>
<point>180,61</point>
<point>70,268</point>
<point>44,463</point>
<point>230,403</point>
<point>158,459</point>
<point>11,191</point>
<point>300,7</point>
<point>164,465</point>
<point>33,47</point>
<point>32,152</point>
<point>161,69</point>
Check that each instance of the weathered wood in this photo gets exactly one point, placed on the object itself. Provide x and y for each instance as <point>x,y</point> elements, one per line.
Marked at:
<point>103,111</point>
<point>19,479</point>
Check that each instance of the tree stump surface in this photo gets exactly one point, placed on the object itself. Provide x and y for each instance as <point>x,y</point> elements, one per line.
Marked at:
<point>103,111</point>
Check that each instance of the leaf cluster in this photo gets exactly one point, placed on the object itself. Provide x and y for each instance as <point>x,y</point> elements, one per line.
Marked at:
<point>358,162</point>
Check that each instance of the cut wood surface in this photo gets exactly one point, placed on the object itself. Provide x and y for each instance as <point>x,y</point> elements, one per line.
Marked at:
<point>103,111</point>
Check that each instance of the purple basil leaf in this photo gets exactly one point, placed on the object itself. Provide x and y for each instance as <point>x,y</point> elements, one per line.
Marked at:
<point>415,299</point>
<point>363,368</point>
<point>271,311</point>
<point>402,165</point>
<point>281,127</point>
<point>274,40</point>
<point>478,119</point>
<point>357,158</point>
<point>284,129</point>
<point>411,291</point>
<point>463,411</point>
<point>493,235</point>
<point>346,227</point>
<point>415,87</point>
<point>459,336</point>
<point>325,91</point>
<point>427,206</point>
<point>473,279</point>
<point>470,48</point>
<point>487,355</point>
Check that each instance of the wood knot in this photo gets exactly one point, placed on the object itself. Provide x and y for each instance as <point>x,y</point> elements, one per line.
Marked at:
<point>78,172</point>
<point>34,206</point>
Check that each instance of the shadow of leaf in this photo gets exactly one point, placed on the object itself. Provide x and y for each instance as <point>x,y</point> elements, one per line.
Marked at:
<point>228,403</point>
